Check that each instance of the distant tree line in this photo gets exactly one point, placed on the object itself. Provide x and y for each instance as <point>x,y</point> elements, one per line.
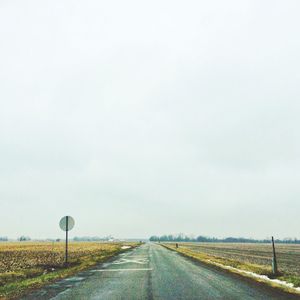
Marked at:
<point>92,238</point>
<point>22,238</point>
<point>204,239</point>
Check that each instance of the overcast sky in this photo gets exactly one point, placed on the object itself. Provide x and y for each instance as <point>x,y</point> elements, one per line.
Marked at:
<point>150,117</point>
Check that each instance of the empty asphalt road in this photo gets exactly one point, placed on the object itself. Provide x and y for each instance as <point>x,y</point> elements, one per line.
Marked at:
<point>153,272</point>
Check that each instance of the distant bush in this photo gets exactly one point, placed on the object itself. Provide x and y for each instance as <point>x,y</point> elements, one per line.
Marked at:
<point>24,238</point>
<point>3,239</point>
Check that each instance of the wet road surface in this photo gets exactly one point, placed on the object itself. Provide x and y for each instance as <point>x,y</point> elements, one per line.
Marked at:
<point>154,272</point>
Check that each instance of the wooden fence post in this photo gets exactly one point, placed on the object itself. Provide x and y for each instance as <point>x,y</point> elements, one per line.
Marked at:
<point>274,260</point>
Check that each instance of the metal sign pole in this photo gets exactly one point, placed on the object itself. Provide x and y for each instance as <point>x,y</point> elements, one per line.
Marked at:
<point>67,228</point>
<point>66,224</point>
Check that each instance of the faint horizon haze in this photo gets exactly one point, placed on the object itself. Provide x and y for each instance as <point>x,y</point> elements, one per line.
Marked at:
<point>148,118</point>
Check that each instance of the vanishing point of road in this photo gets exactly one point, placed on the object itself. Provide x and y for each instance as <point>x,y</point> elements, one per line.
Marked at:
<point>154,272</point>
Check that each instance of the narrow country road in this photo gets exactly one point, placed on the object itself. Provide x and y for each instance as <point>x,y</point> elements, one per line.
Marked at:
<point>153,272</point>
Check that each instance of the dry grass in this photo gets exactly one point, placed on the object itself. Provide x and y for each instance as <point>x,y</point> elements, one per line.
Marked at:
<point>25,255</point>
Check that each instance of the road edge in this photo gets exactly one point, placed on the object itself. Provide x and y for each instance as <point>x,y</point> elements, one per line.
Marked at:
<point>24,290</point>
<point>241,273</point>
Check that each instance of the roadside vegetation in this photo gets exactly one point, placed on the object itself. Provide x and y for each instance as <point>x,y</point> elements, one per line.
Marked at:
<point>28,265</point>
<point>256,258</point>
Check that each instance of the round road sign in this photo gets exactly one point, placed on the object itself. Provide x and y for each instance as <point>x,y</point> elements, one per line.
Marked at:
<point>66,223</point>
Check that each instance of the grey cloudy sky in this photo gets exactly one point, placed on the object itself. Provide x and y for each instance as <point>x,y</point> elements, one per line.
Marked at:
<point>150,117</point>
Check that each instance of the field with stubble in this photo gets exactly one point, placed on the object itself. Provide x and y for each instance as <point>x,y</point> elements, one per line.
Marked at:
<point>26,265</point>
<point>253,257</point>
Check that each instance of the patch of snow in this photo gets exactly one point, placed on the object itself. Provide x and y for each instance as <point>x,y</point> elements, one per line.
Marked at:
<point>125,247</point>
<point>263,277</point>
<point>74,279</point>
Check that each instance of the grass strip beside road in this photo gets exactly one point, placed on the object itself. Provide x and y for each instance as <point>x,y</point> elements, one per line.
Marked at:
<point>14,284</point>
<point>238,267</point>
